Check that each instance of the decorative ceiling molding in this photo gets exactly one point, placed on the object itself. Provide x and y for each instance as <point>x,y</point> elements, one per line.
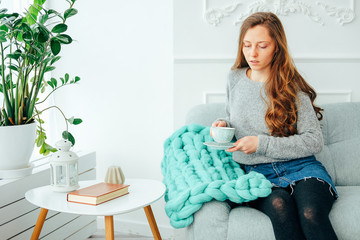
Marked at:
<point>214,16</point>
<point>280,8</point>
<point>343,15</point>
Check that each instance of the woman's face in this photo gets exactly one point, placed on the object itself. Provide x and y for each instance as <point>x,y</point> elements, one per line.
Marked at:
<point>258,48</point>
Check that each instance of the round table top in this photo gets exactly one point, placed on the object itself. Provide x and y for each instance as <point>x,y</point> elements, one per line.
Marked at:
<point>142,192</point>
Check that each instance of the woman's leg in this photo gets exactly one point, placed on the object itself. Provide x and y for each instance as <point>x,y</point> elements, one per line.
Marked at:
<point>281,209</point>
<point>314,202</point>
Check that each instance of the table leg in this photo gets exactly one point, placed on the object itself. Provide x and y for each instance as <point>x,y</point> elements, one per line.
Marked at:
<point>39,224</point>
<point>109,227</point>
<point>152,223</point>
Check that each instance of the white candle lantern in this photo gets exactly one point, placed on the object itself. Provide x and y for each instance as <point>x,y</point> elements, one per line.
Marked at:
<point>64,168</point>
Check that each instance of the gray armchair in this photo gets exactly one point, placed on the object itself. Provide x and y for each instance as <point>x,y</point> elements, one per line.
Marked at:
<point>341,157</point>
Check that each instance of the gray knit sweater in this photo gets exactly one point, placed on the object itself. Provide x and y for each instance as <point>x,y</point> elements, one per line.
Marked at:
<point>246,109</point>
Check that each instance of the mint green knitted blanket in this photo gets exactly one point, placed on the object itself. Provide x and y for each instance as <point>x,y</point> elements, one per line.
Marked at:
<point>195,174</point>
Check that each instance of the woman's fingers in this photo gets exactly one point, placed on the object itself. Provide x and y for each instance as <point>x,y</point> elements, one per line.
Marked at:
<point>222,124</point>
<point>219,124</point>
<point>236,147</point>
<point>247,145</point>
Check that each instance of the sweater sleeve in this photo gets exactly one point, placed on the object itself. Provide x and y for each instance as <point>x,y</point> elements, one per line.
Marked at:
<point>306,142</point>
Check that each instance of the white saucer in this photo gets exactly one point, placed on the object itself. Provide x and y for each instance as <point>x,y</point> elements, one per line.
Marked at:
<point>219,146</point>
<point>16,173</point>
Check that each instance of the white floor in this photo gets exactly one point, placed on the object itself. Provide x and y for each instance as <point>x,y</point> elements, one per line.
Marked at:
<point>100,235</point>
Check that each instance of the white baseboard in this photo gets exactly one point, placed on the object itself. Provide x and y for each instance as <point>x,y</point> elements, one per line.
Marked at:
<point>142,229</point>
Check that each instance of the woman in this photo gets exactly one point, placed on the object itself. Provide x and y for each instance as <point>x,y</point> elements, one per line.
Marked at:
<point>278,131</point>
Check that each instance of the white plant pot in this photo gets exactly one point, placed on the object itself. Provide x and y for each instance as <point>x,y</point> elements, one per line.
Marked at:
<point>16,146</point>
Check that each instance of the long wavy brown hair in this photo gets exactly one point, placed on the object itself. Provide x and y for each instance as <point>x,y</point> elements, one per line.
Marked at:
<point>284,80</point>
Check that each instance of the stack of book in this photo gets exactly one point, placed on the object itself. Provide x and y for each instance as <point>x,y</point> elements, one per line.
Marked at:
<point>98,193</point>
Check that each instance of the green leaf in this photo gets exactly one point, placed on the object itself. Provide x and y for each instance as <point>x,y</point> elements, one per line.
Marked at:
<point>67,77</point>
<point>77,121</point>
<point>42,149</point>
<point>67,135</point>
<point>77,79</point>
<point>17,23</point>
<point>32,57</point>
<point>43,18</point>
<point>63,38</point>
<point>13,67</point>
<point>54,81</point>
<point>3,10</point>
<point>33,11</point>
<point>50,148</point>
<point>39,141</point>
<point>3,36</point>
<point>62,80</point>
<point>43,89</point>
<point>70,12</point>
<point>27,36</point>
<point>46,149</point>
<point>39,127</point>
<point>43,34</point>
<point>55,59</point>
<point>52,11</point>
<point>49,68</point>
<point>13,56</point>
<point>4,28</point>
<point>39,2</point>
<point>60,28</point>
<point>41,37</point>
<point>50,84</point>
<point>46,60</point>
<point>55,46</point>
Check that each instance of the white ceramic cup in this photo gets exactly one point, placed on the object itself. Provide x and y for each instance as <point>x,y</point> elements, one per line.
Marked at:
<point>223,134</point>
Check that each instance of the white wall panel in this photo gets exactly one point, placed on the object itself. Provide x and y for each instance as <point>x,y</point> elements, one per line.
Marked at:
<point>323,39</point>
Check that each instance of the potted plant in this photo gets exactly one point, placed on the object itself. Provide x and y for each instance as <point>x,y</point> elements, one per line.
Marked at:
<point>29,48</point>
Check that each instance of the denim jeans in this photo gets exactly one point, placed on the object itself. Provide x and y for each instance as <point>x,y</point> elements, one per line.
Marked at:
<point>287,173</point>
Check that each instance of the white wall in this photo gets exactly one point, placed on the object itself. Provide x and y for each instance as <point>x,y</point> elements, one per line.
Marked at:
<point>325,51</point>
<point>123,54</point>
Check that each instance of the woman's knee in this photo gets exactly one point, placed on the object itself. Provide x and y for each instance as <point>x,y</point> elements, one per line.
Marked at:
<point>310,214</point>
<point>279,202</point>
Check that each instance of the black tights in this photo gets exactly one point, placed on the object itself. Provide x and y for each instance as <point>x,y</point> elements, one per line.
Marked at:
<point>302,215</point>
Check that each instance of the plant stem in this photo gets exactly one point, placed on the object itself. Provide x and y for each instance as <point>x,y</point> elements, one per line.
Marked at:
<point>38,83</point>
<point>51,93</point>
<point>19,96</point>
<point>38,113</point>
<point>5,90</point>
<point>32,87</point>
<point>11,83</point>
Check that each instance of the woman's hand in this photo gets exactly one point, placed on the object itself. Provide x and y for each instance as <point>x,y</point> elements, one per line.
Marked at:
<point>247,145</point>
<point>217,124</point>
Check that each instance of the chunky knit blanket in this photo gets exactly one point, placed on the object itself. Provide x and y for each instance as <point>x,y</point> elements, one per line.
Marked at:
<point>195,174</point>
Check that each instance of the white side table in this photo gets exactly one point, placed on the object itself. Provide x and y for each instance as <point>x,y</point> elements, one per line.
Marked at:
<point>142,193</point>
